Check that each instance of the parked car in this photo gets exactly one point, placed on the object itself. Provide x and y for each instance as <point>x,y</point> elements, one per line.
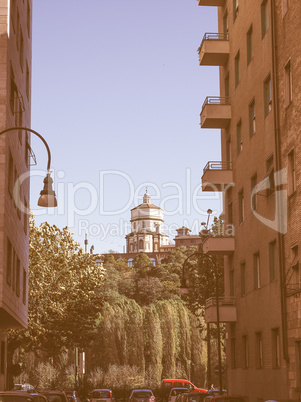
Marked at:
<point>15,396</point>
<point>71,395</point>
<point>224,398</point>
<point>37,397</point>
<point>174,392</point>
<point>54,395</point>
<point>102,395</point>
<point>142,395</point>
<point>191,397</point>
<point>21,387</point>
<point>168,384</point>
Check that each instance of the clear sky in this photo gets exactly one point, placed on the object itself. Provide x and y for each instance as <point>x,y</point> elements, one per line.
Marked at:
<point>117,91</point>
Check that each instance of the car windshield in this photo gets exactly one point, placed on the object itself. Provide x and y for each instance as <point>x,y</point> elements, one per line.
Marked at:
<point>176,392</point>
<point>142,394</point>
<point>101,394</point>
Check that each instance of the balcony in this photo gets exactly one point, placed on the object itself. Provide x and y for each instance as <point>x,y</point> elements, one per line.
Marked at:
<point>216,112</point>
<point>218,3</point>
<point>227,310</point>
<point>217,176</point>
<point>219,245</point>
<point>214,49</point>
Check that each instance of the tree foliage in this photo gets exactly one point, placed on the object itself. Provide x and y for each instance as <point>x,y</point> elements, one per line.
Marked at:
<point>64,293</point>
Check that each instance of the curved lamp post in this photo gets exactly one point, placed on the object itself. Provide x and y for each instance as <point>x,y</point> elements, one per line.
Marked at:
<point>47,195</point>
<point>184,290</point>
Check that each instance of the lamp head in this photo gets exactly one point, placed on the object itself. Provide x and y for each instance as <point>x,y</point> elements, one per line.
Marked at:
<point>47,197</point>
<point>183,288</point>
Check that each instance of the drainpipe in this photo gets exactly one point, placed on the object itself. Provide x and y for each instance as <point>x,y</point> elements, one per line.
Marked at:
<point>278,166</point>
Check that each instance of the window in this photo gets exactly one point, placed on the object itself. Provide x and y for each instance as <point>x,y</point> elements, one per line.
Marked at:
<point>13,93</point>
<point>230,213</point>
<point>27,80</point>
<point>9,261</point>
<point>291,173</point>
<point>227,86</point>
<point>264,17</point>
<point>287,84</point>
<point>250,49</point>
<point>241,206</point>
<point>10,181</point>
<point>275,348</point>
<point>243,278</point>
<point>298,363</point>
<point>267,96</point>
<point>141,244</point>
<point>253,192</point>
<point>295,267</point>
<point>239,138</point>
<point>18,277</point>
<point>225,23</point>
<point>14,261</point>
<point>28,18</point>
<point>235,9</point>
<point>130,262</point>
<point>258,350</point>
<point>245,351</point>
<point>2,358</point>
<point>237,68</point>
<point>252,118</point>
<point>256,268</point>
<point>24,286</point>
<point>25,217</point>
<point>273,260</point>
<point>270,176</point>
<point>21,50</point>
<point>228,151</point>
<point>232,346</point>
<point>231,282</point>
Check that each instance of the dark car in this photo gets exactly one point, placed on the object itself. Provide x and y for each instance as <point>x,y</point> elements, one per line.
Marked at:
<point>55,395</point>
<point>15,396</point>
<point>102,395</point>
<point>142,395</point>
<point>71,395</point>
<point>191,397</point>
<point>174,392</point>
<point>225,398</point>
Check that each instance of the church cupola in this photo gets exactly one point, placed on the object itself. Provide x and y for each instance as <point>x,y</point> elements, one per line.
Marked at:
<point>146,198</point>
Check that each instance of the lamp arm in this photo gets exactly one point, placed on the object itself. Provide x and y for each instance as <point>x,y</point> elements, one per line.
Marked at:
<point>37,134</point>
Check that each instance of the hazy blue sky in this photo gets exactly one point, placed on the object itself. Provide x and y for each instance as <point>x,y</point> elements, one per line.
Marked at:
<point>117,92</point>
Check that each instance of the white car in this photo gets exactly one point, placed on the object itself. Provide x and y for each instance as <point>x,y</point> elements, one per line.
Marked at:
<point>174,392</point>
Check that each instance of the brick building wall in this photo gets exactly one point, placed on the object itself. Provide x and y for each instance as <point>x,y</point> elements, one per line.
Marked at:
<point>15,99</point>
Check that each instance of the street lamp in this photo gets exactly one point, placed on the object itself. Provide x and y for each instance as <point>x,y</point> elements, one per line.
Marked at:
<point>47,195</point>
<point>184,290</point>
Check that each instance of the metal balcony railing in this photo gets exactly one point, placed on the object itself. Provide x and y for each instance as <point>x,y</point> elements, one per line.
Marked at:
<point>217,165</point>
<point>216,100</point>
<point>222,301</point>
<point>213,36</point>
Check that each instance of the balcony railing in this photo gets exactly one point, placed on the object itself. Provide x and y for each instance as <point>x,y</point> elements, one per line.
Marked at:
<point>217,3</point>
<point>219,245</point>
<point>216,112</point>
<point>216,100</point>
<point>227,309</point>
<point>217,165</point>
<point>213,36</point>
<point>217,176</point>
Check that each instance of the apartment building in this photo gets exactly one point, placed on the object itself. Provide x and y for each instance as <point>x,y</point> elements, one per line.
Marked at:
<point>258,50</point>
<point>15,95</point>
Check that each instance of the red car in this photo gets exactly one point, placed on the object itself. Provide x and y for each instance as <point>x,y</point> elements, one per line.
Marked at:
<point>168,384</point>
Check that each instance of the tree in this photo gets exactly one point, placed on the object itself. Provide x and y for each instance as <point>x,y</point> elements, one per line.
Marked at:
<point>64,293</point>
